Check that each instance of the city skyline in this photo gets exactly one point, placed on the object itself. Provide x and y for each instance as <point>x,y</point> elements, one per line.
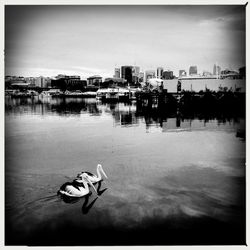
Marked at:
<point>90,40</point>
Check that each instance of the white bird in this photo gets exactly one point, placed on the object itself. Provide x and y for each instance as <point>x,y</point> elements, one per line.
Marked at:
<point>92,177</point>
<point>77,188</point>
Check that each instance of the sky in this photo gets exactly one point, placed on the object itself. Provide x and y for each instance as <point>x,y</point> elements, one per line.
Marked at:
<point>89,40</point>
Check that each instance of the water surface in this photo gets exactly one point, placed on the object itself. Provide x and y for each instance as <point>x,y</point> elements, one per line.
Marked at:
<point>172,179</point>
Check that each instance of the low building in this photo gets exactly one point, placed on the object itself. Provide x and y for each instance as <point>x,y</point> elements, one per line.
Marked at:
<point>65,82</point>
<point>95,80</point>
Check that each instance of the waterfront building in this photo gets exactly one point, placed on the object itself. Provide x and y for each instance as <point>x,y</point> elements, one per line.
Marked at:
<point>127,73</point>
<point>149,74</point>
<point>114,81</point>
<point>31,81</point>
<point>167,75</point>
<point>12,81</point>
<point>39,82</point>
<point>193,70</point>
<point>159,72</point>
<point>42,82</point>
<point>182,72</point>
<point>95,80</point>
<point>117,73</point>
<point>64,82</point>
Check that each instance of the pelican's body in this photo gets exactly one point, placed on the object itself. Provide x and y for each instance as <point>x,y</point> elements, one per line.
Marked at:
<point>92,177</point>
<point>76,188</point>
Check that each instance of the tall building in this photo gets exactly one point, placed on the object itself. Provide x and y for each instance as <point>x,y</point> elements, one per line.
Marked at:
<point>168,74</point>
<point>159,72</point>
<point>182,72</point>
<point>117,73</point>
<point>149,74</point>
<point>216,69</point>
<point>193,70</point>
<point>136,70</point>
<point>135,74</point>
<point>127,73</point>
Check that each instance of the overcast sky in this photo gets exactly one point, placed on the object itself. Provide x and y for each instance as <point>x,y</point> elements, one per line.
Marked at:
<point>88,40</point>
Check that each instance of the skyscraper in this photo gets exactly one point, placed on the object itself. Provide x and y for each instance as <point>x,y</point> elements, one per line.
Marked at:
<point>193,70</point>
<point>136,70</point>
<point>127,73</point>
<point>216,70</point>
<point>159,72</point>
<point>117,73</point>
<point>135,74</point>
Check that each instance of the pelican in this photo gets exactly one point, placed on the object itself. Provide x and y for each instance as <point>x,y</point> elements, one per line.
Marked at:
<point>78,188</point>
<point>92,177</point>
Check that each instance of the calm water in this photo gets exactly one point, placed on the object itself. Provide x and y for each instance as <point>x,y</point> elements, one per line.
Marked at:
<point>172,179</point>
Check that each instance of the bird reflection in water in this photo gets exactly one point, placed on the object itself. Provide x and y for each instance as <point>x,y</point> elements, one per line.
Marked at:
<point>100,192</point>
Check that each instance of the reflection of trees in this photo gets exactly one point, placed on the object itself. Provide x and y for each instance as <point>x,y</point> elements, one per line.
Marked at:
<point>206,107</point>
<point>61,106</point>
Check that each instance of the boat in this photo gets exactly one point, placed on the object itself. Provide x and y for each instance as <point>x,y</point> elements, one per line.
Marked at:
<point>89,94</point>
<point>112,94</point>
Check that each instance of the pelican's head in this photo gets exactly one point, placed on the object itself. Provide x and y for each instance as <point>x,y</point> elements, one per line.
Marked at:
<point>82,175</point>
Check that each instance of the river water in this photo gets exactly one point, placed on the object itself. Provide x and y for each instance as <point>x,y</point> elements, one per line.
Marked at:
<point>172,179</point>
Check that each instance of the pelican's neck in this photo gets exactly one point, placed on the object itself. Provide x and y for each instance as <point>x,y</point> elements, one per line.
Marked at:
<point>98,172</point>
<point>85,184</point>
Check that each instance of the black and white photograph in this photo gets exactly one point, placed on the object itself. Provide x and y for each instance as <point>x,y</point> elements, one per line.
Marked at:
<point>124,125</point>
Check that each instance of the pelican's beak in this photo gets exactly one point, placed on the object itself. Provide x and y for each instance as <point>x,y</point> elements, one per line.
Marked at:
<point>91,184</point>
<point>104,173</point>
